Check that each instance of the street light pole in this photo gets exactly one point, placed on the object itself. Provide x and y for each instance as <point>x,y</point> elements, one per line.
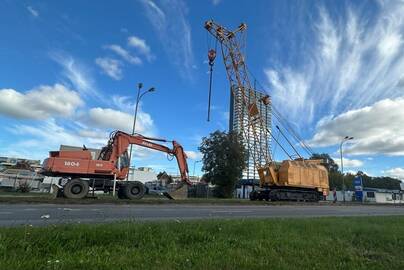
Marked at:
<point>196,161</point>
<point>139,96</point>
<point>347,138</point>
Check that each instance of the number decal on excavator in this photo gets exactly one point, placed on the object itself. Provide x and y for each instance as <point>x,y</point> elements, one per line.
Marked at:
<point>72,163</point>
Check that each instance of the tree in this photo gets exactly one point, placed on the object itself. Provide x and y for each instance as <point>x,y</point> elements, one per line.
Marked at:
<point>328,162</point>
<point>224,159</point>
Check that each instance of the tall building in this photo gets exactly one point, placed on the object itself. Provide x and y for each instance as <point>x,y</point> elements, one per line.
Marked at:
<point>239,123</point>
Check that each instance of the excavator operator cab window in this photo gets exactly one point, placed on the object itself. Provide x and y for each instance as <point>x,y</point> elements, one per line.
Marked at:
<point>124,160</point>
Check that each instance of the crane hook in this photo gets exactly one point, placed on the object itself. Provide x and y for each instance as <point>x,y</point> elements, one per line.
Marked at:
<point>211,57</point>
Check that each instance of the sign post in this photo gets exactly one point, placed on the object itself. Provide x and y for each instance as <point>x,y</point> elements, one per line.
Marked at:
<point>358,183</point>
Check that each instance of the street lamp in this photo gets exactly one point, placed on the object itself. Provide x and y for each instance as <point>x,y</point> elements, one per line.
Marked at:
<point>196,161</point>
<point>345,139</point>
<point>139,96</point>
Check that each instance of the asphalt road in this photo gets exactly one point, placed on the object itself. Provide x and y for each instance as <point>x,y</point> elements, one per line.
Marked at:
<point>43,214</point>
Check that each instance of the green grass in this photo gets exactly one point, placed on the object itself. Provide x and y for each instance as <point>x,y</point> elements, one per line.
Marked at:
<point>317,243</point>
<point>10,197</point>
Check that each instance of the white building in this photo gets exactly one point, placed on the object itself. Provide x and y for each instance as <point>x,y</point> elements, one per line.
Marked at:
<point>371,195</point>
<point>239,122</point>
<point>142,174</point>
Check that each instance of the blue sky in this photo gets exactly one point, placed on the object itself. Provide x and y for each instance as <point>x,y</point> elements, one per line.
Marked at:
<point>70,69</point>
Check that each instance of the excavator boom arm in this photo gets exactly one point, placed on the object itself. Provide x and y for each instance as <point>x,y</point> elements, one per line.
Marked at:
<point>119,142</point>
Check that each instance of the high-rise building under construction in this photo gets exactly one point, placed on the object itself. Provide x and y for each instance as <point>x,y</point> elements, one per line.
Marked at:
<point>239,123</point>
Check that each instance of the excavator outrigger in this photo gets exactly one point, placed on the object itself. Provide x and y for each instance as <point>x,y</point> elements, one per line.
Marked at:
<point>77,170</point>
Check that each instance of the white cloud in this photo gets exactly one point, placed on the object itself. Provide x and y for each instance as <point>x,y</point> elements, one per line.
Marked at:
<point>33,11</point>
<point>124,54</point>
<point>169,20</point>
<point>45,137</point>
<point>110,67</point>
<point>141,46</point>
<point>39,103</point>
<point>124,103</point>
<point>396,173</point>
<point>193,155</point>
<point>113,119</point>
<point>377,129</point>
<point>351,61</point>
<point>91,133</point>
<point>348,163</point>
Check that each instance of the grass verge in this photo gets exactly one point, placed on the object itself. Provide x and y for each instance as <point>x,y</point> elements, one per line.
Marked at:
<point>317,243</point>
<point>148,199</point>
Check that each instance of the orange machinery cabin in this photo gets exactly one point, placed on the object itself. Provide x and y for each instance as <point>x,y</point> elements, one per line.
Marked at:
<point>79,163</point>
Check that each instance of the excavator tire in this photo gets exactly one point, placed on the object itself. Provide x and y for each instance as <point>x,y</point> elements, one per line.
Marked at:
<point>75,189</point>
<point>133,190</point>
<point>121,192</point>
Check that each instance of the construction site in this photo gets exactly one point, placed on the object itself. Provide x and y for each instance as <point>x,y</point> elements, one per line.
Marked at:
<point>166,134</point>
<point>76,171</point>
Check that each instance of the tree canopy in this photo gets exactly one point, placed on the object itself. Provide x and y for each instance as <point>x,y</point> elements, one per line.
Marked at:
<point>336,181</point>
<point>328,162</point>
<point>224,159</point>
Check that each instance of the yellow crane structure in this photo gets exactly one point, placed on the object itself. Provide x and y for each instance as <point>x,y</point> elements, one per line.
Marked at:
<point>298,179</point>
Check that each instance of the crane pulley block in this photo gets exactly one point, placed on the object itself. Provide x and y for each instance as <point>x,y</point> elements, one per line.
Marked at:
<point>211,56</point>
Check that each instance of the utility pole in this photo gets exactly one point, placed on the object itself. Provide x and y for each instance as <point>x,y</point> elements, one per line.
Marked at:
<point>196,161</point>
<point>346,138</point>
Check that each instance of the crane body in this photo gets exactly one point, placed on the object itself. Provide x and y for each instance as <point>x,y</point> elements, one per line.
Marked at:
<point>77,169</point>
<point>298,179</point>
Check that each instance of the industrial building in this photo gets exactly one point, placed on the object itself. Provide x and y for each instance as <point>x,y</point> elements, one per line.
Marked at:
<point>239,123</point>
<point>371,195</point>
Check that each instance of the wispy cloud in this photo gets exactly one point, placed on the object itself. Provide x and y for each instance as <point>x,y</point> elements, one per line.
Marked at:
<point>124,54</point>
<point>141,46</point>
<point>33,11</point>
<point>169,20</point>
<point>77,74</point>
<point>354,60</point>
<point>110,67</point>
<point>216,2</point>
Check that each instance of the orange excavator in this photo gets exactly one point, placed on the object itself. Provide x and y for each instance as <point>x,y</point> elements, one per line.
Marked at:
<point>78,171</point>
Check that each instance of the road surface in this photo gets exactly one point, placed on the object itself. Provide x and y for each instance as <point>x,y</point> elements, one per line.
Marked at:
<point>43,214</point>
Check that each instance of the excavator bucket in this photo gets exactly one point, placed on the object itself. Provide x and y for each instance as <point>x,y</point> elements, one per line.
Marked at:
<point>177,194</point>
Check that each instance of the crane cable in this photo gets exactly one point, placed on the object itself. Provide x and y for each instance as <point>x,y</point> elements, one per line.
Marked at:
<point>282,120</point>
<point>211,58</point>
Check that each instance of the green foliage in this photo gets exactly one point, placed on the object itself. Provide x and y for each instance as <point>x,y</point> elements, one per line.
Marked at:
<point>336,181</point>
<point>224,159</point>
<point>328,162</point>
<point>312,243</point>
<point>382,182</point>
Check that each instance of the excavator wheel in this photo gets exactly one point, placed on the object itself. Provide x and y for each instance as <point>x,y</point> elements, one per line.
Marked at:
<point>133,190</point>
<point>75,189</point>
<point>121,192</point>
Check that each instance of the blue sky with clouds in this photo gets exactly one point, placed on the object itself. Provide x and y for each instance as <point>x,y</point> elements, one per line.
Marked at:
<point>70,69</point>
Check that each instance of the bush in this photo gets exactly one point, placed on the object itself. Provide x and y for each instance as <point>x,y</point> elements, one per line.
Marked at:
<point>23,187</point>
